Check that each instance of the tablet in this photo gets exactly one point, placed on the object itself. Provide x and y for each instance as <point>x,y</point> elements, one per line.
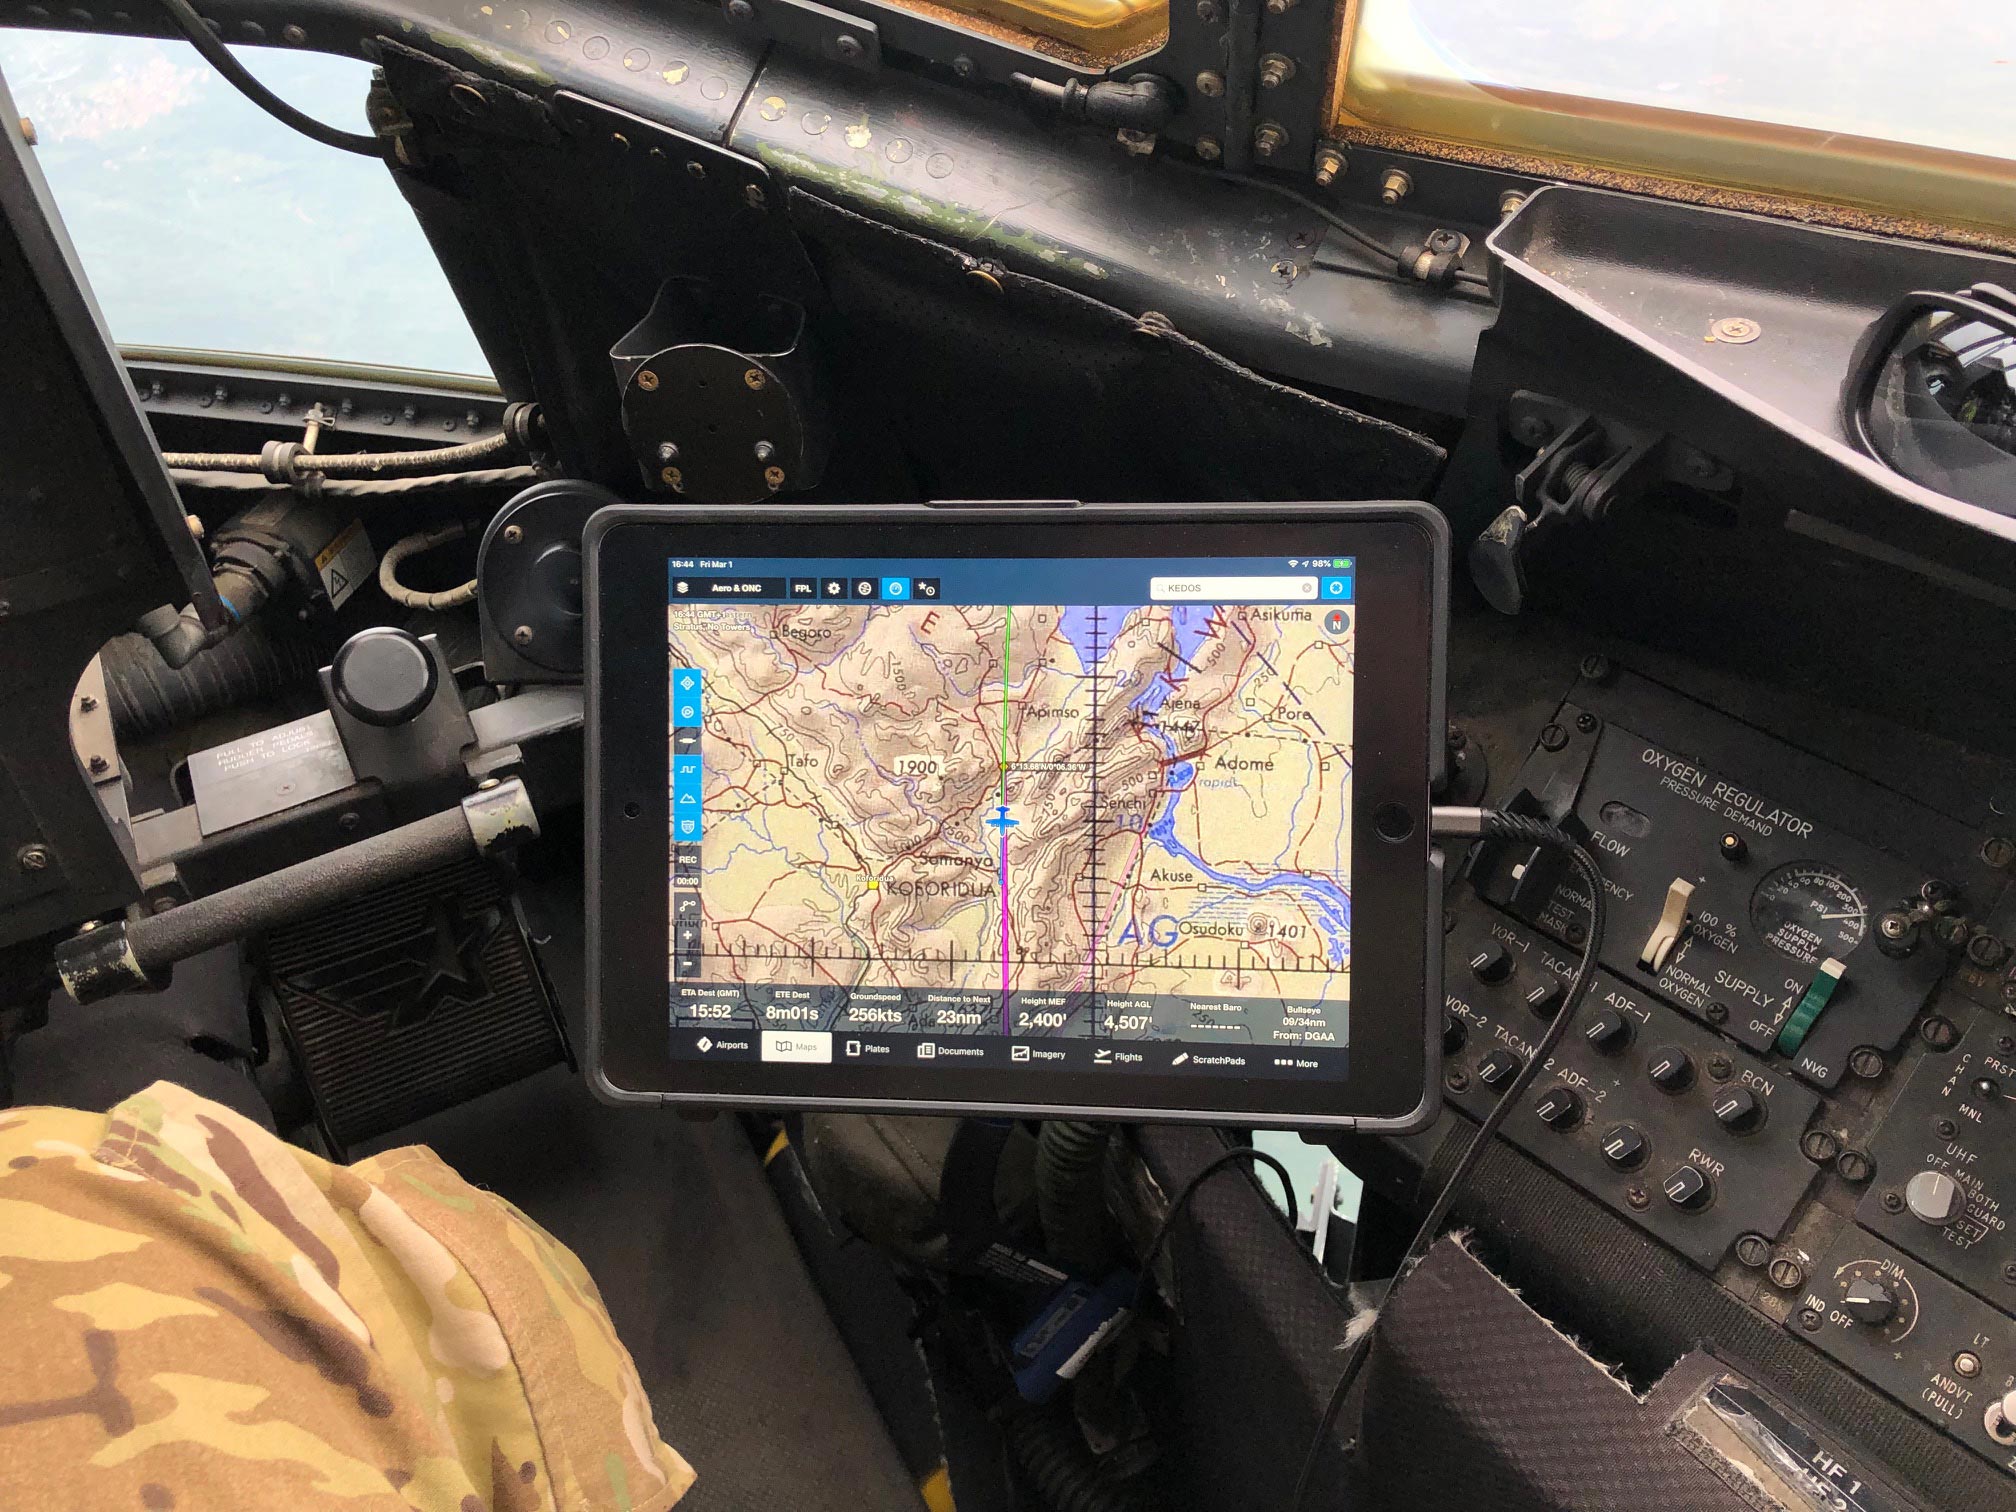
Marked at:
<point>1073,811</point>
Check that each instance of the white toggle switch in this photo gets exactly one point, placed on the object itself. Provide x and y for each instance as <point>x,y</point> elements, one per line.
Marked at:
<point>1672,924</point>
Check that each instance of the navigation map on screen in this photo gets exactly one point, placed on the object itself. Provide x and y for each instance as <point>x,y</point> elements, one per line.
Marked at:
<point>1064,813</point>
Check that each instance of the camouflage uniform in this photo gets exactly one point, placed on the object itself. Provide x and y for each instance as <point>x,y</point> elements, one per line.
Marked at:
<point>195,1315</point>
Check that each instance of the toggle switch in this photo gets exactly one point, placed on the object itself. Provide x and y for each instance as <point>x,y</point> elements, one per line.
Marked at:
<point>1672,924</point>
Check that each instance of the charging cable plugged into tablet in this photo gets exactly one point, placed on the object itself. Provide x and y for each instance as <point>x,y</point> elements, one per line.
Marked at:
<point>1470,824</point>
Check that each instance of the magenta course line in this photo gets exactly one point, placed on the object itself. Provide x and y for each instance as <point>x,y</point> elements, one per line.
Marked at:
<point>1004,932</point>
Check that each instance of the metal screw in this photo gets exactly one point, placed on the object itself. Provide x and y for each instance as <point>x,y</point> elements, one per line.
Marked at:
<point>99,765</point>
<point>1787,1274</point>
<point>1534,431</point>
<point>1276,69</point>
<point>1985,951</point>
<point>848,46</point>
<point>293,34</point>
<point>1809,1320</point>
<point>1329,165</point>
<point>2009,1272</point>
<point>1269,137</point>
<point>1940,1033</point>
<point>1209,13</point>
<point>774,477</point>
<point>1893,1202</point>
<point>513,534</point>
<point>755,378</point>
<point>964,66</point>
<point>489,784</point>
<point>1284,269</point>
<point>1208,149</point>
<point>1718,1013</point>
<point>1553,738</point>
<point>1999,851</point>
<point>1720,1068</point>
<point>1752,1250</point>
<point>1818,1146</point>
<point>1735,330</point>
<point>752,194</point>
<point>87,703</point>
<point>673,479</point>
<point>667,452</point>
<point>1855,1166</point>
<point>33,858</point>
<point>2005,1043</point>
<point>1280,7</point>
<point>695,169</point>
<point>1967,1363</point>
<point>1639,1198</point>
<point>1210,85</point>
<point>1458,1079</point>
<point>1586,723</point>
<point>1945,1128</point>
<point>350,823</point>
<point>765,451</point>
<point>1866,1061</point>
<point>522,636</point>
<point>647,380</point>
<point>1510,201</point>
<point>741,10</point>
<point>1395,184</point>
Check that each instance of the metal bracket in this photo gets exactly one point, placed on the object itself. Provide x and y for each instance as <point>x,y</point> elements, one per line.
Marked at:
<point>1584,467</point>
<point>806,26</point>
<point>500,815</point>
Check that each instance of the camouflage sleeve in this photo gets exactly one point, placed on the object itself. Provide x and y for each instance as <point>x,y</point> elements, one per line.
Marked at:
<point>196,1315</point>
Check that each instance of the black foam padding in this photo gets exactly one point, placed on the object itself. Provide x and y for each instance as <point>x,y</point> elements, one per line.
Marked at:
<point>1475,1400</point>
<point>1255,1348</point>
<point>410,999</point>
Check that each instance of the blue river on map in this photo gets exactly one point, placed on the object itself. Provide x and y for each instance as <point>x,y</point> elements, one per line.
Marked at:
<point>1189,624</point>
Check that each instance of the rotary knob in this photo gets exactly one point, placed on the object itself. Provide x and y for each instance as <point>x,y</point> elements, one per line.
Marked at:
<point>1935,1198</point>
<point>1624,1147</point>
<point>383,676</point>
<point>1559,1108</point>
<point>1545,999</point>
<point>1737,1109</point>
<point>1869,1301</point>
<point>1498,1068</point>
<point>1608,1032</point>
<point>1670,1068</point>
<point>1687,1188</point>
<point>1491,962</point>
<point>1454,1033</point>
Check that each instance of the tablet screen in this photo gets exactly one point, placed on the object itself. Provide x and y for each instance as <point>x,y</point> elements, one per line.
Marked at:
<point>1012,813</point>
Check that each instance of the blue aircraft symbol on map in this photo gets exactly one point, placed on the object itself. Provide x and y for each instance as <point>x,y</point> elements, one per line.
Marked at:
<point>1001,821</point>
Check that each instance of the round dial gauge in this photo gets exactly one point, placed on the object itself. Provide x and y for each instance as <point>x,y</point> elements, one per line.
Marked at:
<point>1809,911</point>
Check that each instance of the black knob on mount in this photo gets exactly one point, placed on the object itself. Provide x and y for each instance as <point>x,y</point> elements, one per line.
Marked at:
<point>1624,1147</point>
<point>1869,1301</point>
<point>1737,1109</point>
<point>1559,1108</point>
<point>1492,962</point>
<point>1687,1188</point>
<point>1545,999</point>
<point>1454,1033</point>
<point>383,676</point>
<point>1670,1069</point>
<point>1498,1068</point>
<point>1609,1031</point>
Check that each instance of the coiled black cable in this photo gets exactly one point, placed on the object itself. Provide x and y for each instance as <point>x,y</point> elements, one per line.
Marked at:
<point>1487,824</point>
